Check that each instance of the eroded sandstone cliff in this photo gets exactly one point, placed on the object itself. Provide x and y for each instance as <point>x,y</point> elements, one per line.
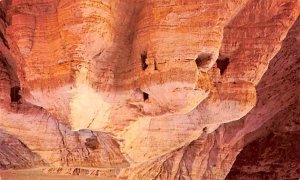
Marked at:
<point>148,89</point>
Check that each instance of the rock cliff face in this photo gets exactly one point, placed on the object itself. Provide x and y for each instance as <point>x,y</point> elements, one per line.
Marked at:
<point>273,150</point>
<point>15,154</point>
<point>150,89</point>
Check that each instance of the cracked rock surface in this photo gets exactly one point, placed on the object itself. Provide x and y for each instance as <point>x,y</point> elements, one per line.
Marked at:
<point>150,89</point>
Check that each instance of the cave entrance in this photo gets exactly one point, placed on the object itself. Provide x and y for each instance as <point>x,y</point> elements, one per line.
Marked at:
<point>143,60</point>
<point>14,94</point>
<point>222,64</point>
<point>145,96</point>
<point>203,60</point>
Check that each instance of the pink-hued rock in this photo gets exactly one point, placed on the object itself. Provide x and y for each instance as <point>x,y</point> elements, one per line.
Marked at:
<point>269,133</point>
<point>148,89</point>
<point>16,155</point>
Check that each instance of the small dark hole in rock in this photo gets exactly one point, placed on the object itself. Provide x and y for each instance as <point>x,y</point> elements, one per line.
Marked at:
<point>205,129</point>
<point>203,60</point>
<point>145,96</point>
<point>143,60</point>
<point>14,94</point>
<point>92,143</point>
<point>222,64</point>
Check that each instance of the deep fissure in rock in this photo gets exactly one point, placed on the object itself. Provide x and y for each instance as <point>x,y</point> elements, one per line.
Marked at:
<point>143,60</point>
<point>14,94</point>
<point>155,66</point>
<point>222,64</point>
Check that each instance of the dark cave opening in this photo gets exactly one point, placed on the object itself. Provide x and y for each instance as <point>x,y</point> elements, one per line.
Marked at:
<point>14,94</point>
<point>143,60</point>
<point>203,60</point>
<point>145,96</point>
<point>222,64</point>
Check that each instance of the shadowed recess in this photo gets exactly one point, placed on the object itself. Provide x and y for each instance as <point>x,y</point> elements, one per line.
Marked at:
<point>14,94</point>
<point>143,60</point>
<point>222,64</point>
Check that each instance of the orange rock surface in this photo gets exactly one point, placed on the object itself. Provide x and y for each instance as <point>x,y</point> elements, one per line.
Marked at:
<point>143,89</point>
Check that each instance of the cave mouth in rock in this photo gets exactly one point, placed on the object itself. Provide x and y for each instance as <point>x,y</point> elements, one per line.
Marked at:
<point>145,96</point>
<point>143,60</point>
<point>203,60</point>
<point>222,64</point>
<point>14,94</point>
<point>147,89</point>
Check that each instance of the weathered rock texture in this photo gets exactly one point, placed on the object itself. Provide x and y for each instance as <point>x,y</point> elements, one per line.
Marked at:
<point>15,154</point>
<point>274,149</point>
<point>148,89</point>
